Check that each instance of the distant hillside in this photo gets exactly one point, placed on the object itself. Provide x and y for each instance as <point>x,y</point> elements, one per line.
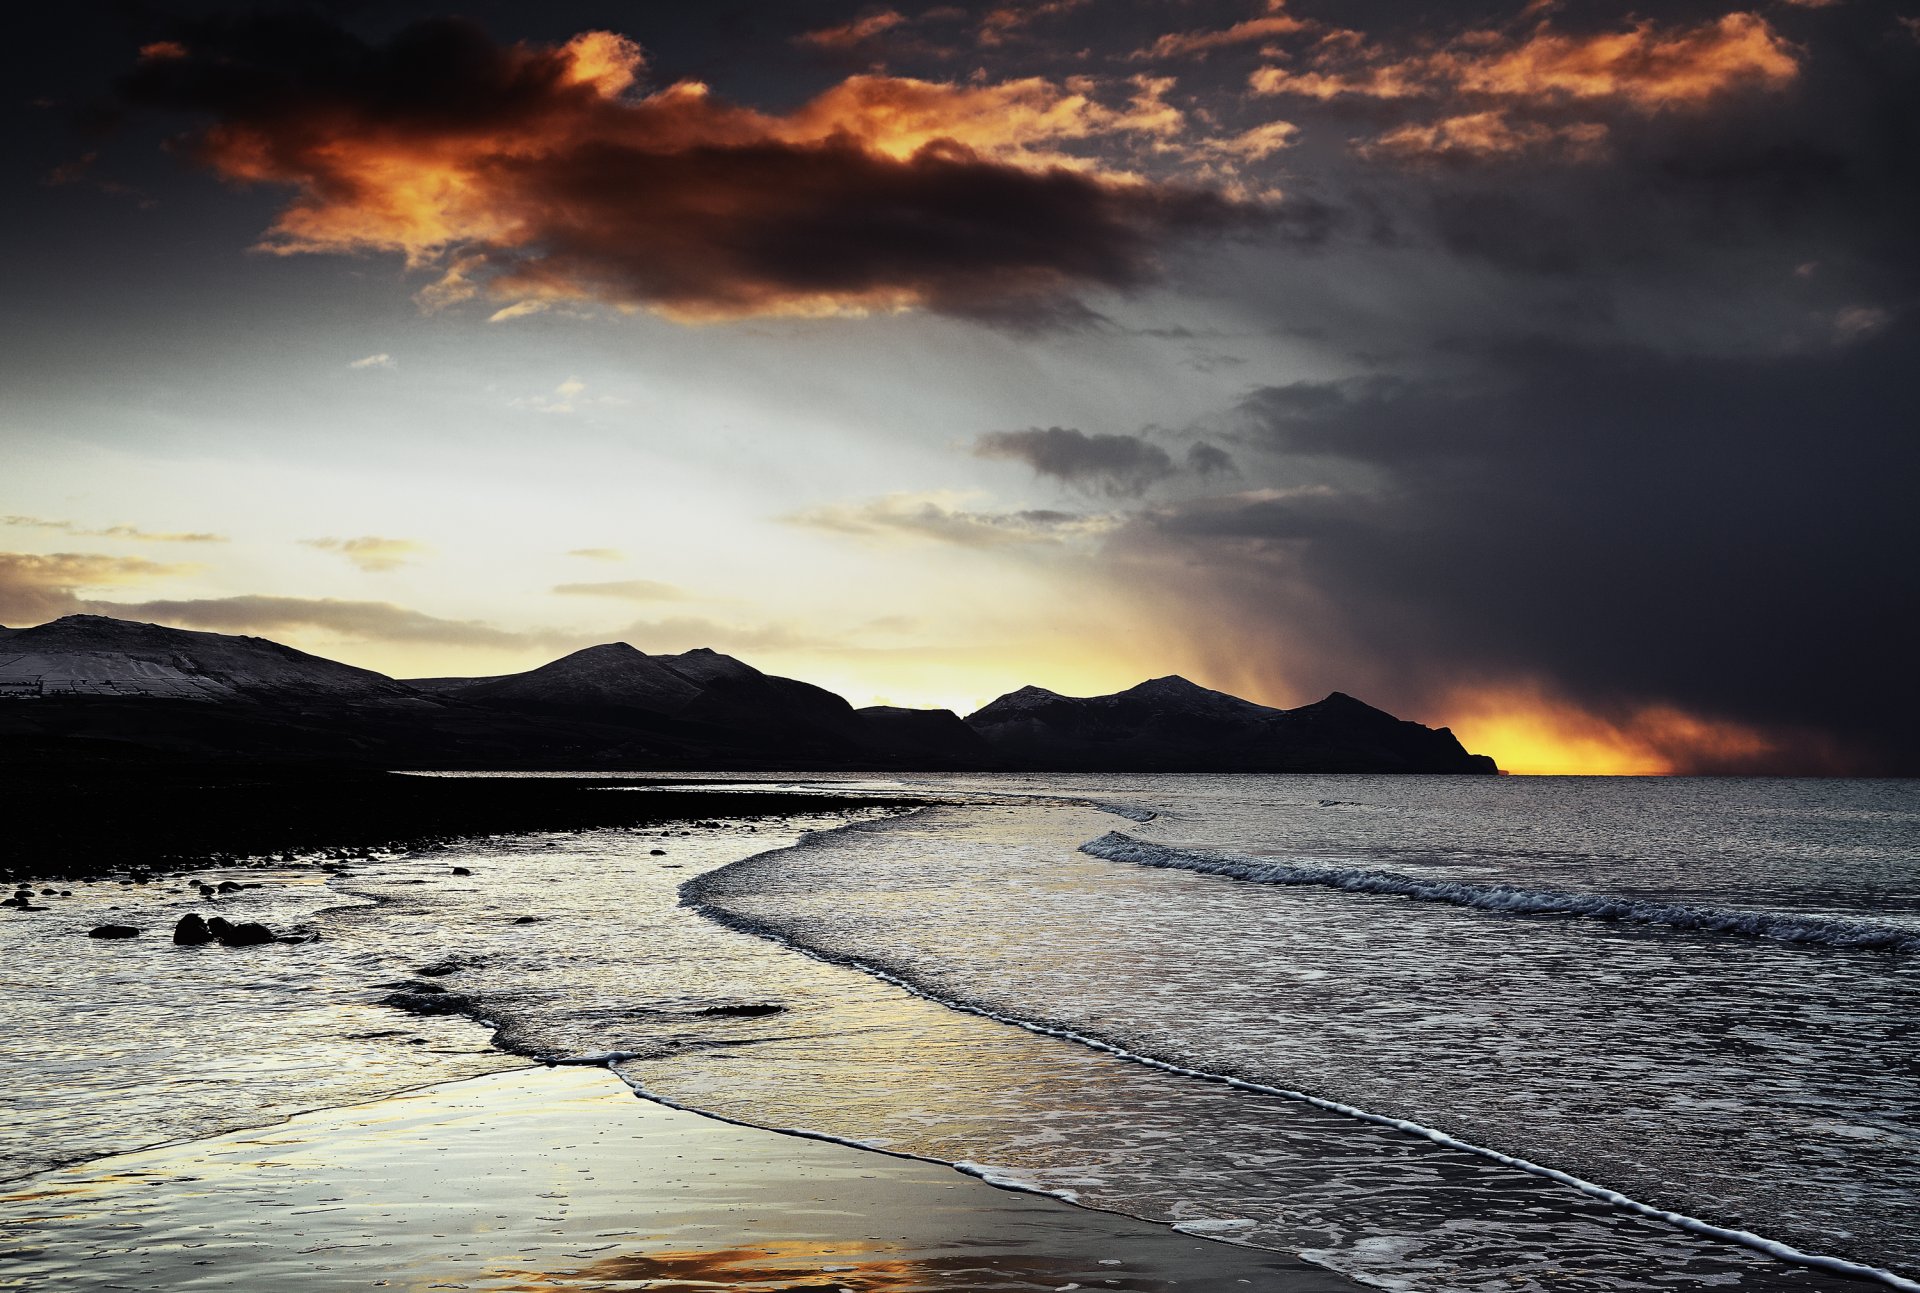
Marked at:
<point>1172,725</point>
<point>92,688</point>
<point>93,655</point>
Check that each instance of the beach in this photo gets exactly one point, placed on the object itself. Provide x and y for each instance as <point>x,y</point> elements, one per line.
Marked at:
<point>852,1023</point>
<point>560,1178</point>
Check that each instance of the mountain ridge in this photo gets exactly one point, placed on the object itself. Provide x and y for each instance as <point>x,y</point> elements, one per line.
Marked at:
<point>614,705</point>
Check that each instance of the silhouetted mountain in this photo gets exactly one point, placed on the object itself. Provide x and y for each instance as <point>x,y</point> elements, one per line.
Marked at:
<point>938,736</point>
<point>1170,724</point>
<point>713,703</point>
<point>88,687</point>
<point>94,655</point>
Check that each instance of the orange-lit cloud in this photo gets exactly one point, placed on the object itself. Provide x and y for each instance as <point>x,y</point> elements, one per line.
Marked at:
<point>540,173</point>
<point>851,35</point>
<point>1528,732</point>
<point>1645,67</point>
<point>1189,44</point>
<point>1482,135</point>
<point>1008,21</point>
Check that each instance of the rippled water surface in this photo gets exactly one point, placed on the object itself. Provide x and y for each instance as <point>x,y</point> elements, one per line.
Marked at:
<point>1747,1081</point>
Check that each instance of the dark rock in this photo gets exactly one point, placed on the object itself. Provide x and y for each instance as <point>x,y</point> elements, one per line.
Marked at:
<point>247,933</point>
<point>229,886</point>
<point>113,931</point>
<point>751,1010</point>
<point>428,1003</point>
<point>460,870</point>
<point>659,853</point>
<point>440,968</point>
<point>192,931</point>
<point>218,925</point>
<point>526,920</point>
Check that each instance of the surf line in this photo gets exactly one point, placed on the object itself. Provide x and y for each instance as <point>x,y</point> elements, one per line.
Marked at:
<point>1679,1220</point>
<point>1116,846</point>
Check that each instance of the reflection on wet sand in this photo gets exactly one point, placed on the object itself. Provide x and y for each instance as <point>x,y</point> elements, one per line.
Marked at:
<point>779,1266</point>
<point>560,1178</point>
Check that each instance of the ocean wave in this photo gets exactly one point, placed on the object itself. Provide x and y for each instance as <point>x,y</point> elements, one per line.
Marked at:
<point>1781,926</point>
<point>700,894</point>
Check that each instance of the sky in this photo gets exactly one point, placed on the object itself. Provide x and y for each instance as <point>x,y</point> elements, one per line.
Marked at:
<point>1543,370</point>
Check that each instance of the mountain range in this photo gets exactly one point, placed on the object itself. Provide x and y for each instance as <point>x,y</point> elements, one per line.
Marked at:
<point>91,687</point>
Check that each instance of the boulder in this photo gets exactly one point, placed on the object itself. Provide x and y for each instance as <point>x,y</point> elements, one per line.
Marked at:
<point>248,933</point>
<point>113,931</point>
<point>192,931</point>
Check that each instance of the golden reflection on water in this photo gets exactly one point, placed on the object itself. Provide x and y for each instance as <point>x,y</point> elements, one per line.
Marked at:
<point>814,1265</point>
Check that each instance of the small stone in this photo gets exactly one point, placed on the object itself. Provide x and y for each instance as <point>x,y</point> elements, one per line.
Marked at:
<point>113,931</point>
<point>460,870</point>
<point>525,920</point>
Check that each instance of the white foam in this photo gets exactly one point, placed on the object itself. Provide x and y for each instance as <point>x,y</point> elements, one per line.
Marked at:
<point>1693,1225</point>
<point>1783,926</point>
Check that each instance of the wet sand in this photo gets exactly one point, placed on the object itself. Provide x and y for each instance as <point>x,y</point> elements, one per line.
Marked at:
<point>563,1179</point>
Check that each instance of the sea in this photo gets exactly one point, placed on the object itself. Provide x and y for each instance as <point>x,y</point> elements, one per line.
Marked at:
<point>1434,1033</point>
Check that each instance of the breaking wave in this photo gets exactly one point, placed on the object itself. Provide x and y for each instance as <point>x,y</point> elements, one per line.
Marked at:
<point>1784,927</point>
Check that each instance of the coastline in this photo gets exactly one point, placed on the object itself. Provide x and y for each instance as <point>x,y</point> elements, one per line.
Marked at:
<point>71,822</point>
<point>696,1013</point>
<point>559,1177</point>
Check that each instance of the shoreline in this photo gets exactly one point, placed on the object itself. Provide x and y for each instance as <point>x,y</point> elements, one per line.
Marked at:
<point>557,1175</point>
<point>74,824</point>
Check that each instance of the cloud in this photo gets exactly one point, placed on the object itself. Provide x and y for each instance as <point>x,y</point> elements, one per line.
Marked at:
<point>1479,136</point>
<point>632,590</point>
<point>382,360</point>
<point>1205,459</point>
<point>112,531</point>
<point>939,518</point>
<point>598,554</point>
<point>1190,44</point>
<point>1251,145</point>
<point>569,396</point>
<point>36,587</point>
<point>1009,22</point>
<point>1646,67</point>
<point>370,552</point>
<point>852,35</point>
<point>374,621</point>
<point>1852,322</point>
<point>1627,532</point>
<point>1114,465</point>
<point>535,174</point>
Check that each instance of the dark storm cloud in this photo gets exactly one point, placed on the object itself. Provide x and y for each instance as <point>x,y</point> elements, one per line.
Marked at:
<point>1101,463</point>
<point>1733,537</point>
<point>540,173</point>
<point>1205,459</point>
